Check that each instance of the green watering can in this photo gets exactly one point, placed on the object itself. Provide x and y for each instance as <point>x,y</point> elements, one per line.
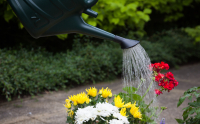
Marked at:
<point>52,17</point>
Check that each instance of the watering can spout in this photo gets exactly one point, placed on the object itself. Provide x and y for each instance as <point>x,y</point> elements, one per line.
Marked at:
<point>96,32</point>
<point>81,27</point>
<point>126,43</point>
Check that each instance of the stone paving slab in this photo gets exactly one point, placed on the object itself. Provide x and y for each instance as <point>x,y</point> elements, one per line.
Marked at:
<point>48,108</point>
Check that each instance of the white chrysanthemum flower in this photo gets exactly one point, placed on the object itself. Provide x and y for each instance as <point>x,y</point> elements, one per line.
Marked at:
<point>115,121</point>
<point>106,109</point>
<point>85,114</point>
<point>121,118</point>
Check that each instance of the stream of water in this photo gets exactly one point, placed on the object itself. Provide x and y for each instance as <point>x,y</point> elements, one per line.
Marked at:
<point>136,73</point>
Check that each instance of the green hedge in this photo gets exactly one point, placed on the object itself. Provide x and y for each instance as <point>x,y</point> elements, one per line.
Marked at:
<point>31,71</point>
<point>173,46</point>
<point>23,71</point>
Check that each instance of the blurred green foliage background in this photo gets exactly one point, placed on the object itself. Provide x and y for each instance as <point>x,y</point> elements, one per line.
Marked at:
<point>169,30</point>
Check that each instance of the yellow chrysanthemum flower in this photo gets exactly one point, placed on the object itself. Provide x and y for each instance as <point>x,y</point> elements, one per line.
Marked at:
<point>118,102</point>
<point>73,98</point>
<point>67,104</point>
<point>128,105</point>
<point>67,100</point>
<point>75,103</point>
<point>105,92</point>
<point>135,111</point>
<point>110,95</point>
<point>71,113</point>
<point>82,98</point>
<point>79,98</point>
<point>137,115</point>
<point>88,101</point>
<point>92,92</point>
<point>101,91</point>
<point>123,112</point>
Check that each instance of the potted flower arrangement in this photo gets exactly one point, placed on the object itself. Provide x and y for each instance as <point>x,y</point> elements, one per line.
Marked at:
<point>93,107</point>
<point>127,107</point>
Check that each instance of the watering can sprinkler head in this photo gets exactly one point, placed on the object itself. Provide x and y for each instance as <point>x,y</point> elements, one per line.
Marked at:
<point>126,43</point>
<point>52,17</point>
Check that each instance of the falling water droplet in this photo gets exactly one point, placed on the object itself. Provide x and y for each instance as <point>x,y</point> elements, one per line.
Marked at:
<point>136,72</point>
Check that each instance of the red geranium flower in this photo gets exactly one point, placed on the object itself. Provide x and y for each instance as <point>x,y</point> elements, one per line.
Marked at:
<point>158,77</point>
<point>158,92</point>
<point>176,83</point>
<point>164,65</point>
<point>169,75</point>
<point>169,85</point>
<point>159,66</point>
<point>162,82</point>
<point>165,81</point>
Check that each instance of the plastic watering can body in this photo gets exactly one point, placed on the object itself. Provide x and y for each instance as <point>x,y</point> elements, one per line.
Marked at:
<point>52,17</point>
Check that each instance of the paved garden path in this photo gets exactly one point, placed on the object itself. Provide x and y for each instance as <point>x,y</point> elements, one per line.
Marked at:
<point>48,107</point>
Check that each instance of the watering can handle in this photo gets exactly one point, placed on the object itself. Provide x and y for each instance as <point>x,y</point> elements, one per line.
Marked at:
<point>88,5</point>
<point>91,13</point>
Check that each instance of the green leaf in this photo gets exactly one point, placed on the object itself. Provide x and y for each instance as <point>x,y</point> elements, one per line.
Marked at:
<point>181,100</point>
<point>8,15</point>
<point>190,98</point>
<point>121,94</point>
<point>191,111</point>
<point>130,89</point>
<point>85,16</point>
<point>132,6</point>
<point>21,26</point>
<point>147,11</point>
<point>197,116</point>
<point>197,39</point>
<point>197,110</point>
<point>100,17</point>
<point>185,115</point>
<point>180,121</point>
<point>92,22</point>
<point>62,36</point>
<point>187,108</point>
<point>192,89</point>
<point>137,97</point>
<point>114,20</point>
<point>187,95</point>
<point>143,16</point>
<point>196,94</point>
<point>194,104</point>
<point>198,99</point>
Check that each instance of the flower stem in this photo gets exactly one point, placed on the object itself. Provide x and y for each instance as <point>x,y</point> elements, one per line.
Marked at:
<point>153,114</point>
<point>139,86</point>
<point>147,90</point>
<point>160,112</point>
<point>149,104</point>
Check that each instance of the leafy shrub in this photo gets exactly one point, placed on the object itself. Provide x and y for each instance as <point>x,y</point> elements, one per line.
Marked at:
<point>173,46</point>
<point>191,114</point>
<point>193,32</point>
<point>113,14</point>
<point>23,71</point>
<point>32,71</point>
